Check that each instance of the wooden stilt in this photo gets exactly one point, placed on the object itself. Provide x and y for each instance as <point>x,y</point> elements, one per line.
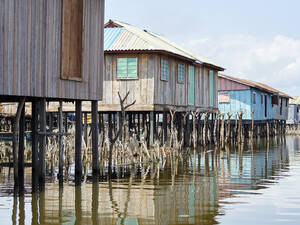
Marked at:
<point>66,122</point>
<point>60,145</point>
<point>95,132</point>
<point>50,121</point>
<point>42,142</point>
<point>151,128</point>
<point>78,142</point>
<point>85,132</point>
<point>139,126</point>
<point>21,151</point>
<point>110,126</point>
<point>165,127</point>
<point>34,145</point>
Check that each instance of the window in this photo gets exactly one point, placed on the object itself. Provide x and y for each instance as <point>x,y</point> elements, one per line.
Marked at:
<point>181,73</point>
<point>71,39</point>
<point>254,98</point>
<point>262,99</point>
<point>127,68</point>
<point>164,69</point>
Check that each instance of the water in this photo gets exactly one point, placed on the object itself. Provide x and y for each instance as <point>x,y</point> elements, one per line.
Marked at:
<point>237,186</point>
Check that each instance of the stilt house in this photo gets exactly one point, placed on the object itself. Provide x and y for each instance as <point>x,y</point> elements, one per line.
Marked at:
<point>157,72</point>
<point>236,95</point>
<point>294,105</point>
<point>49,51</point>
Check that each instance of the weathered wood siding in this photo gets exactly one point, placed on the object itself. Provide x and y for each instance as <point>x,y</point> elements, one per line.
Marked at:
<point>30,50</point>
<point>172,92</point>
<point>149,91</point>
<point>141,89</point>
<point>285,109</point>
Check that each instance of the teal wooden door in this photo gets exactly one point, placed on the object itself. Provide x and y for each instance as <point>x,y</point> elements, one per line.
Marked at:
<point>191,86</point>
<point>211,88</point>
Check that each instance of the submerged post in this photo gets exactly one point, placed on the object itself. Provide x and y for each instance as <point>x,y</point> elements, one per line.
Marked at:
<point>95,133</point>
<point>61,155</point>
<point>42,141</point>
<point>78,142</point>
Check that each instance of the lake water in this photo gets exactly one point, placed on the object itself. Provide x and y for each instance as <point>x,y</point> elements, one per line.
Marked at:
<point>254,185</point>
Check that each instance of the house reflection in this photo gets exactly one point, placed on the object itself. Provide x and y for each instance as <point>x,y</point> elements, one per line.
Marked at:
<point>192,196</point>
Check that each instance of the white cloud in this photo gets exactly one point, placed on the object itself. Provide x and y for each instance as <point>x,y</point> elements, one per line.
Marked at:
<point>273,61</point>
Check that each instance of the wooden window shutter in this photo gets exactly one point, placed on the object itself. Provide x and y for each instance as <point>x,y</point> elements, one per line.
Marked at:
<point>132,67</point>
<point>71,39</point>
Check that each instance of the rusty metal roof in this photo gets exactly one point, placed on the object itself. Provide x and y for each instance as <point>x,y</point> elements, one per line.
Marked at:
<point>131,38</point>
<point>256,85</point>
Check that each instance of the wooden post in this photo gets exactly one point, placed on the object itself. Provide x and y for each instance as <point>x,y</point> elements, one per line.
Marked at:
<point>165,127</point>
<point>119,125</point>
<point>85,129</point>
<point>139,126</point>
<point>16,142</point>
<point>50,121</point>
<point>151,142</point>
<point>42,142</point>
<point>78,142</point>
<point>21,150</point>
<point>95,132</point>
<point>34,146</point>
<point>268,132</point>
<point>66,122</point>
<point>60,145</point>
<point>109,126</point>
<point>222,131</point>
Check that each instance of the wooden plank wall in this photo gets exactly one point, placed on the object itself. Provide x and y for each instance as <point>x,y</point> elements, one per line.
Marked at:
<point>174,93</point>
<point>149,90</point>
<point>30,50</point>
<point>141,89</point>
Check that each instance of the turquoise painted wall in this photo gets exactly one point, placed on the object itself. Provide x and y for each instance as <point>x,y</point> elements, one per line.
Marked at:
<point>239,100</point>
<point>243,100</point>
<point>259,108</point>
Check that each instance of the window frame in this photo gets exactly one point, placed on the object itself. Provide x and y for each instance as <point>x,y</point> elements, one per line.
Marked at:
<point>254,98</point>
<point>184,75</point>
<point>137,68</point>
<point>167,60</point>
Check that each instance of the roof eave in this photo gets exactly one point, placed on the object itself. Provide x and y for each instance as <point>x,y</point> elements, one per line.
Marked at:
<point>192,61</point>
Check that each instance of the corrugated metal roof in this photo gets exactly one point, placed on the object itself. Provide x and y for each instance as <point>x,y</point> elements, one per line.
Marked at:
<point>133,38</point>
<point>295,100</point>
<point>110,35</point>
<point>255,85</point>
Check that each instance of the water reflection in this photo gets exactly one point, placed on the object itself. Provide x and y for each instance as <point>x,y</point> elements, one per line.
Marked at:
<point>192,189</point>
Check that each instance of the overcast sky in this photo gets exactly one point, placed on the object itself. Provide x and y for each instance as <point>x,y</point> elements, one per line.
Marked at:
<point>252,39</point>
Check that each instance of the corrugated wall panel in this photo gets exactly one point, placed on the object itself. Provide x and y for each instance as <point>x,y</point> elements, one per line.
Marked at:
<point>225,84</point>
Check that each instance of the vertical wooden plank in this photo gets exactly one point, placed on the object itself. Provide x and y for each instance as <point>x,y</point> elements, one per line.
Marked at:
<point>95,135</point>
<point>78,142</point>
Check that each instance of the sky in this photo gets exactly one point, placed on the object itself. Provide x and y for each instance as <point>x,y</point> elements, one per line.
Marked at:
<point>253,39</point>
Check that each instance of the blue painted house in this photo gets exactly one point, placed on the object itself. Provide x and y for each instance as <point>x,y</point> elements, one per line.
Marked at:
<point>236,95</point>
